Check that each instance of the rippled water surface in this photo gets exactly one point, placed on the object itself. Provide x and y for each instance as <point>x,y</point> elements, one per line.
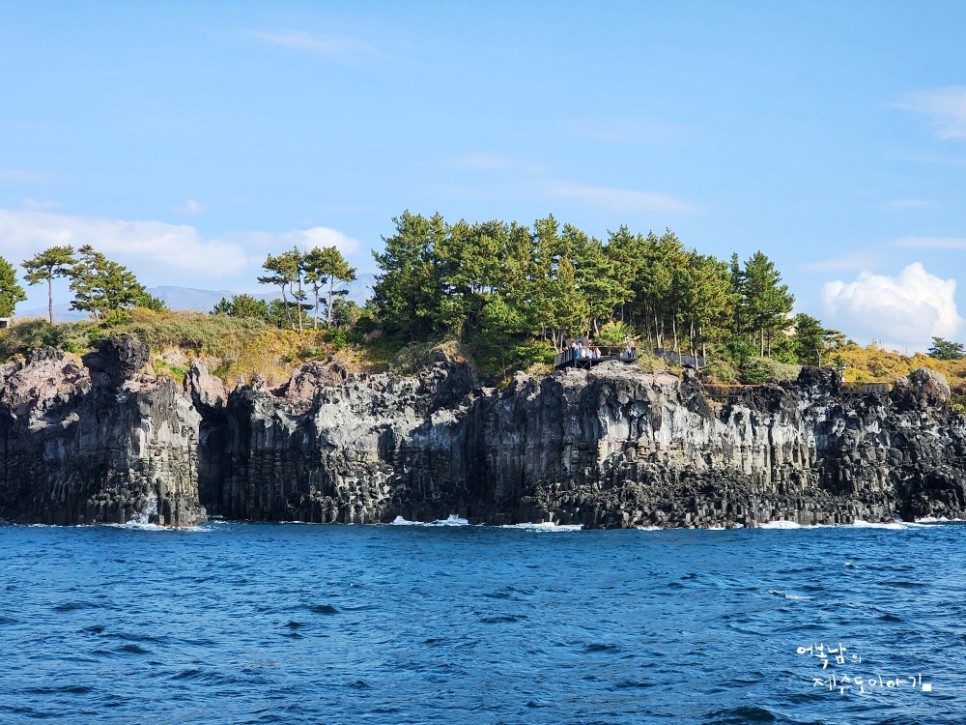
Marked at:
<point>456,624</point>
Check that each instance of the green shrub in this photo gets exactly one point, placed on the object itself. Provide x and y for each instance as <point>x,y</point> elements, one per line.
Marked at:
<point>614,333</point>
<point>758,370</point>
<point>166,369</point>
<point>721,372</point>
<point>418,355</point>
<point>75,337</point>
<point>200,333</point>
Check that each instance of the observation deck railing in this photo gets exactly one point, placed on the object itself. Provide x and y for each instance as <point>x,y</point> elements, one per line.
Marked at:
<point>588,356</point>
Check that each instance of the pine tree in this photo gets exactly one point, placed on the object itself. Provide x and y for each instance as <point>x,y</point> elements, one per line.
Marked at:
<point>102,286</point>
<point>407,294</point>
<point>766,300</point>
<point>10,291</point>
<point>324,269</point>
<point>45,265</point>
<point>945,350</point>
<point>283,271</point>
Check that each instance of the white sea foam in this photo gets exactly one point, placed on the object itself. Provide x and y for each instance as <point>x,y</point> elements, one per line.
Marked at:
<point>400,521</point>
<point>141,526</point>
<point>453,520</point>
<point>930,520</point>
<point>788,595</point>
<point>892,525</point>
<point>548,526</point>
<point>780,524</point>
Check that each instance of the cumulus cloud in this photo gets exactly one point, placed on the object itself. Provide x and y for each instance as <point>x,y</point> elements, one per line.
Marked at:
<point>623,200</point>
<point>189,208</point>
<point>903,312</point>
<point>152,249</point>
<point>158,252</point>
<point>305,239</point>
<point>946,107</point>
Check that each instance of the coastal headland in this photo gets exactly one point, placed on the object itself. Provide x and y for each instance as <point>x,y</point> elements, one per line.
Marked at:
<point>94,440</point>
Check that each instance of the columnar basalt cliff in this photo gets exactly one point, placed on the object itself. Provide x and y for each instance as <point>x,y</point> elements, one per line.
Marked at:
<point>611,447</point>
<point>96,442</point>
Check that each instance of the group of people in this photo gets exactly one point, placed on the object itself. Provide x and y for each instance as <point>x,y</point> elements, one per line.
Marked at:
<point>581,351</point>
<point>584,352</point>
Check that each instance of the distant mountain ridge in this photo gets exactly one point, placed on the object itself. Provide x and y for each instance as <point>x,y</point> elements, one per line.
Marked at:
<point>184,299</point>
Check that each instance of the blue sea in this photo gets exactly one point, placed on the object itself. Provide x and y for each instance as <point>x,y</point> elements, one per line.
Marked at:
<point>450,623</point>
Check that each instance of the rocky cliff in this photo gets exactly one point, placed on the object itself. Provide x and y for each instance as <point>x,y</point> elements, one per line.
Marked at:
<point>96,442</point>
<point>611,447</point>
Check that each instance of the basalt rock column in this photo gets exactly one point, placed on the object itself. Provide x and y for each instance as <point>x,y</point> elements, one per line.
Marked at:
<point>96,443</point>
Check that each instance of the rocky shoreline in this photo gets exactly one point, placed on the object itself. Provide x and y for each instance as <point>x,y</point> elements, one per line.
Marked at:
<point>98,442</point>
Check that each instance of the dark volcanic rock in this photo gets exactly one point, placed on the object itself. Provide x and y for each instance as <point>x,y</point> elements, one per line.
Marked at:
<point>118,358</point>
<point>96,445</point>
<point>610,447</point>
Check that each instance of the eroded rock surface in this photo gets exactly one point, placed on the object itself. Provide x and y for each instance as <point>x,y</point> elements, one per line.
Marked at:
<point>610,447</point>
<point>96,443</point>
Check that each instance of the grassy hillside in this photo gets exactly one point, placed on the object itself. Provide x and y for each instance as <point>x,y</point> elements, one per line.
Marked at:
<point>237,349</point>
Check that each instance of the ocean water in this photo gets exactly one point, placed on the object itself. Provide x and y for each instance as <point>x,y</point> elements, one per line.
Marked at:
<point>287,623</point>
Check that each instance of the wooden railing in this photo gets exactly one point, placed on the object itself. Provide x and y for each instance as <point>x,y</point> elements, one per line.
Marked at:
<point>586,357</point>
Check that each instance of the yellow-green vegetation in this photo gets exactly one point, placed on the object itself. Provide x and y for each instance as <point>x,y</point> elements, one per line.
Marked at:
<point>872,364</point>
<point>76,337</point>
<point>414,356</point>
<point>237,349</point>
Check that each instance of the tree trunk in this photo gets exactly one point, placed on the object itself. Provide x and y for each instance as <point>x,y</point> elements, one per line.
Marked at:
<point>288,312</point>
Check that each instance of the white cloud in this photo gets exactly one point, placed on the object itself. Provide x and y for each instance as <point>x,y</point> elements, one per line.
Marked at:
<point>189,208</point>
<point>621,199</point>
<point>151,249</point>
<point>930,243</point>
<point>158,252</point>
<point>29,204</point>
<point>491,162</point>
<point>19,175</point>
<point>945,106</point>
<point>903,312</point>
<point>852,262</point>
<point>305,239</point>
<point>320,43</point>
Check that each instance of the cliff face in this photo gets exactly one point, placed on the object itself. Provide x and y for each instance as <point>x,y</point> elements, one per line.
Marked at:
<point>610,447</point>
<point>617,447</point>
<point>96,443</point>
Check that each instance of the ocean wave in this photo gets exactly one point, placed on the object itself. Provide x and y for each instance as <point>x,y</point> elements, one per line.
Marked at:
<point>891,525</point>
<point>548,526</point>
<point>453,520</point>
<point>780,524</point>
<point>788,595</point>
<point>140,526</point>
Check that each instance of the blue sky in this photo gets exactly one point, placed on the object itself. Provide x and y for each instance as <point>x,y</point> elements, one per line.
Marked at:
<point>189,140</point>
